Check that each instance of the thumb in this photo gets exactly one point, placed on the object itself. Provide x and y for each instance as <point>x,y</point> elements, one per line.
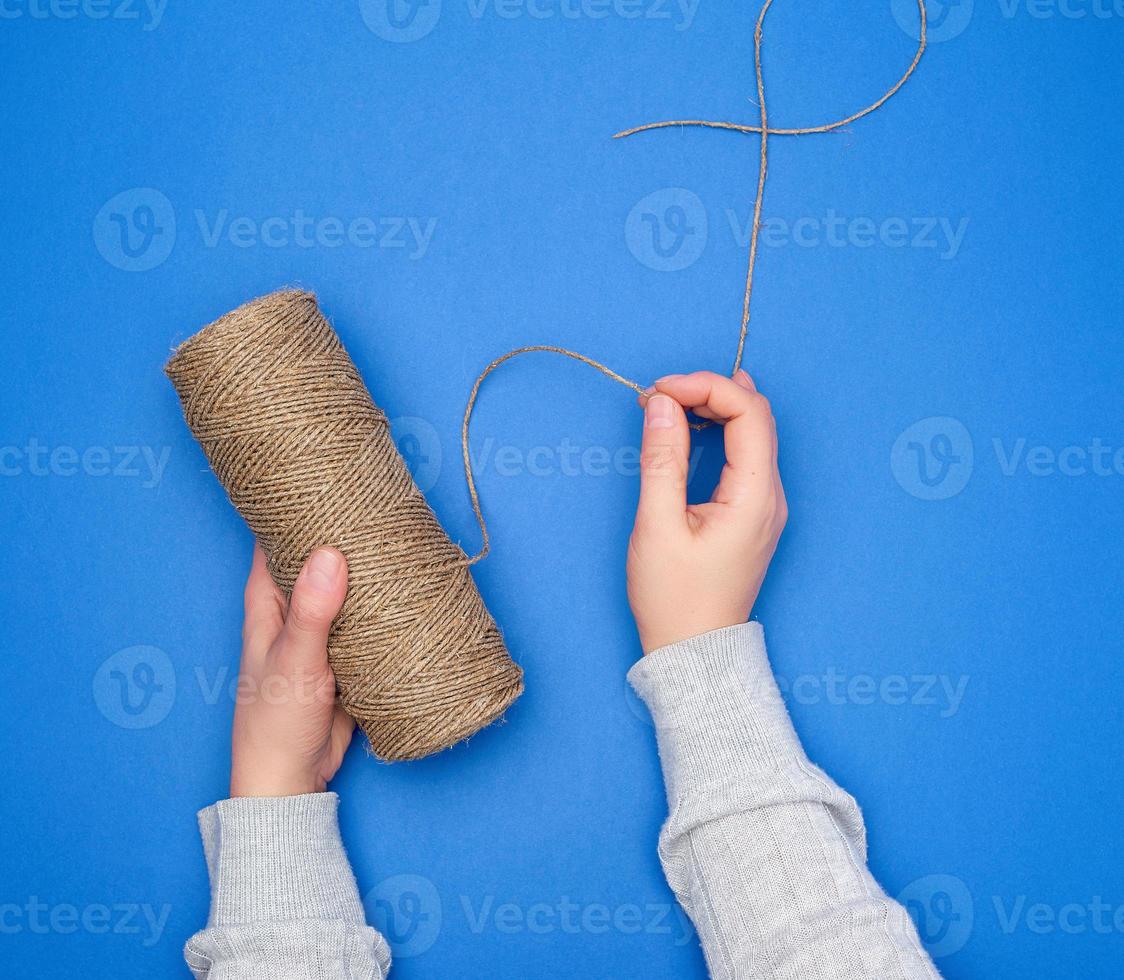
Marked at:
<point>317,597</point>
<point>663,461</point>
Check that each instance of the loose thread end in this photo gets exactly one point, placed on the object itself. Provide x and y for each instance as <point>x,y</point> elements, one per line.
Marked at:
<point>765,132</point>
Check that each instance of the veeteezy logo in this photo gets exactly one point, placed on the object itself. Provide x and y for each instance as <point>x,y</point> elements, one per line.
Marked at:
<point>41,459</point>
<point>400,21</point>
<point>40,918</point>
<point>933,459</point>
<point>135,688</point>
<point>136,230</point>
<point>941,234</point>
<point>949,18</point>
<point>408,910</point>
<point>668,230</point>
<point>148,13</point>
<point>946,18</point>
<point>403,21</point>
<point>943,911</point>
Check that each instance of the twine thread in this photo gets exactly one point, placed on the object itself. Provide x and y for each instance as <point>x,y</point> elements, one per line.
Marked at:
<point>308,459</point>
<point>765,131</point>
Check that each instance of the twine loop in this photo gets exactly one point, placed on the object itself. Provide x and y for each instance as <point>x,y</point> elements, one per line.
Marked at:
<point>764,131</point>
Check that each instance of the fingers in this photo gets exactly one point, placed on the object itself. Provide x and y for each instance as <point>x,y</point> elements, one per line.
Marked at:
<point>664,453</point>
<point>317,597</point>
<point>264,604</point>
<point>343,727</point>
<point>750,433</point>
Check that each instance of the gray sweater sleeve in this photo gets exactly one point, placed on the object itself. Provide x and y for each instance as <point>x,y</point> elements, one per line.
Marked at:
<point>766,854</point>
<point>284,903</point>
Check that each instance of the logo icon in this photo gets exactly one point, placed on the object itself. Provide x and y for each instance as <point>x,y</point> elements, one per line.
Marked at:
<point>933,458</point>
<point>420,445</point>
<point>400,21</point>
<point>946,18</point>
<point>136,230</point>
<point>136,687</point>
<point>407,910</point>
<point>943,911</point>
<point>667,230</point>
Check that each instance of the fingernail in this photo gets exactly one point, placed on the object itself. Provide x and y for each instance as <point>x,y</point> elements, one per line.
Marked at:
<point>667,377</point>
<point>649,390</point>
<point>323,570</point>
<point>659,413</point>
<point>743,380</point>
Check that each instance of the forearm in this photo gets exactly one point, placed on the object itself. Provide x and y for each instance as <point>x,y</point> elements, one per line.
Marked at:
<point>766,854</point>
<point>284,903</point>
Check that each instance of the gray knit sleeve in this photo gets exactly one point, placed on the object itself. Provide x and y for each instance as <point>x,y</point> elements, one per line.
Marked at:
<point>764,852</point>
<point>284,903</point>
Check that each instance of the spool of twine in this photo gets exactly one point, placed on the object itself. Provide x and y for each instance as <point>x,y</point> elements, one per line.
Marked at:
<point>308,459</point>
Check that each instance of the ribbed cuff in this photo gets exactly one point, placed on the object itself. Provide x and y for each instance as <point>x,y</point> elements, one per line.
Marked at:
<point>278,858</point>
<point>717,710</point>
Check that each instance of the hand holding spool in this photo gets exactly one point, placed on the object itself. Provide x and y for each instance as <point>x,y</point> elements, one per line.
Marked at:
<point>307,458</point>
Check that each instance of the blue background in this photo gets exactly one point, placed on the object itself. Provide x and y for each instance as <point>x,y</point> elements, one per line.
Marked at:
<point>498,128</point>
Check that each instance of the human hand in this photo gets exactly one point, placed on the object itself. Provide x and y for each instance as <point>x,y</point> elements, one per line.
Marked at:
<point>290,735</point>
<point>692,569</point>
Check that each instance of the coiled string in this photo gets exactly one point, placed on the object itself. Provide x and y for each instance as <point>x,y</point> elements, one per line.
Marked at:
<point>765,131</point>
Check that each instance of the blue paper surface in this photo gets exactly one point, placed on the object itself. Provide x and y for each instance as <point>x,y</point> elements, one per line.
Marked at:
<point>937,322</point>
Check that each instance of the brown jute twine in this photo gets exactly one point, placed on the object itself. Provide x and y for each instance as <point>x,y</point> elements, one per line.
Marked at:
<point>308,460</point>
<point>765,131</point>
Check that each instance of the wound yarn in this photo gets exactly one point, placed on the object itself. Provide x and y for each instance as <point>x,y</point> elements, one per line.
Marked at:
<point>307,458</point>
